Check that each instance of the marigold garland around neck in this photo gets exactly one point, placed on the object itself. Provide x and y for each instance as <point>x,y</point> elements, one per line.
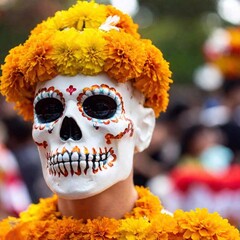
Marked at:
<point>88,38</point>
<point>145,221</point>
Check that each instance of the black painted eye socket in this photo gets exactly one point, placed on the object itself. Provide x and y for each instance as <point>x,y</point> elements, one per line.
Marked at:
<point>100,106</point>
<point>48,110</point>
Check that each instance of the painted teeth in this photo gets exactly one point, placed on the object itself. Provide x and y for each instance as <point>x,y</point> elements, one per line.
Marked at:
<point>76,162</point>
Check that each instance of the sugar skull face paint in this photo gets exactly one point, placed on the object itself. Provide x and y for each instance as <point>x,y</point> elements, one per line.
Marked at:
<point>82,125</point>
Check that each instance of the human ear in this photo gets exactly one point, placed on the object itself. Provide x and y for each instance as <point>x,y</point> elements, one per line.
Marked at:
<point>144,129</point>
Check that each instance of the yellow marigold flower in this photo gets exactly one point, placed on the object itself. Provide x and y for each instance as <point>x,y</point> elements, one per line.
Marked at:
<point>85,15</point>
<point>102,228</point>
<point>134,229</point>
<point>58,22</point>
<point>154,79</point>
<point>66,51</point>
<point>126,56</point>
<point>126,23</point>
<point>51,25</point>
<point>200,224</point>
<point>45,210</point>
<point>93,52</point>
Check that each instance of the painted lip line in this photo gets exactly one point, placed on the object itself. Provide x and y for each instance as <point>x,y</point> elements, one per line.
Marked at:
<point>78,161</point>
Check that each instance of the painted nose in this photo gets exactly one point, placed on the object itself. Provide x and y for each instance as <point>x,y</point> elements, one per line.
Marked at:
<point>70,130</point>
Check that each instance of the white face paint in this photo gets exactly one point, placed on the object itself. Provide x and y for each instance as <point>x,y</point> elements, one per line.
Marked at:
<point>85,130</point>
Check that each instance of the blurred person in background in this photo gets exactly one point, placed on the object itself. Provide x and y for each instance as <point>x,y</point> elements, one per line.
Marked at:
<point>197,141</point>
<point>162,154</point>
<point>205,175</point>
<point>208,171</point>
<point>221,69</point>
<point>150,163</point>
<point>20,142</point>
<point>14,196</point>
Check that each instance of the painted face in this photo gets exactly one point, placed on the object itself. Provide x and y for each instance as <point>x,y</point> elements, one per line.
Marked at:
<point>84,127</point>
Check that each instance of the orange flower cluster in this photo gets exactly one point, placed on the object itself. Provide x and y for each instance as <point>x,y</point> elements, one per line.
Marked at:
<point>226,52</point>
<point>88,38</point>
<point>145,221</point>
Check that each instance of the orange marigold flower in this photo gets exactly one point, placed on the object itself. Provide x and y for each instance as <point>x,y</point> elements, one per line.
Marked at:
<point>14,85</point>
<point>154,79</point>
<point>25,108</point>
<point>39,28</point>
<point>6,225</point>
<point>126,56</point>
<point>142,191</point>
<point>66,229</point>
<point>36,62</point>
<point>102,228</point>
<point>162,227</point>
<point>147,205</point>
<point>201,224</point>
<point>29,230</point>
<point>126,23</point>
<point>158,102</point>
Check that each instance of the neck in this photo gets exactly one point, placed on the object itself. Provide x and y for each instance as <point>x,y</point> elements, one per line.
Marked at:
<point>112,203</point>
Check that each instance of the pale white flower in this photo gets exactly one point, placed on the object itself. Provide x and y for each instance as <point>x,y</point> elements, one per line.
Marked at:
<point>110,23</point>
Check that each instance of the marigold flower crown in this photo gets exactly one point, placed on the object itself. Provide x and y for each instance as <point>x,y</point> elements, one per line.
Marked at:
<point>88,38</point>
<point>223,50</point>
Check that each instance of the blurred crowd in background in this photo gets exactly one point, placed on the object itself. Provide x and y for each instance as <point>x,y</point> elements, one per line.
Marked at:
<point>194,157</point>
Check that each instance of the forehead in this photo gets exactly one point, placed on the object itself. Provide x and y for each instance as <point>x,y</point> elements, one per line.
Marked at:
<point>74,85</point>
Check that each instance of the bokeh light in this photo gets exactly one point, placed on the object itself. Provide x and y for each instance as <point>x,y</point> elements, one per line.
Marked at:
<point>229,10</point>
<point>129,7</point>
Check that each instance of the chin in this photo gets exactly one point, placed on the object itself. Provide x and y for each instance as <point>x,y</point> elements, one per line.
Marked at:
<point>78,194</point>
<point>72,191</point>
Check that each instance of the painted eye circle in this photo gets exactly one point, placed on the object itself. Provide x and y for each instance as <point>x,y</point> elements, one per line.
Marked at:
<point>100,106</point>
<point>48,110</point>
